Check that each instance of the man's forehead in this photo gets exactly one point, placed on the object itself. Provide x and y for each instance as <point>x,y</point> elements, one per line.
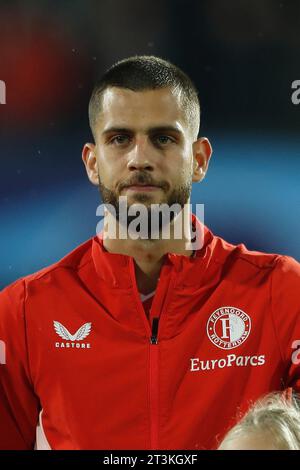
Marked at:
<point>122,104</point>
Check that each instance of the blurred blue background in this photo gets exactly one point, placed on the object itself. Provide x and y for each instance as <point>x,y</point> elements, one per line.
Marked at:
<point>243,57</point>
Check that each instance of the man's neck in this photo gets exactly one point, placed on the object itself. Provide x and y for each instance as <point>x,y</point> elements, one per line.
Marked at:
<point>148,255</point>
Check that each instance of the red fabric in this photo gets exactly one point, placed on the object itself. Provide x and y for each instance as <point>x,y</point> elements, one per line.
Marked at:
<point>229,321</point>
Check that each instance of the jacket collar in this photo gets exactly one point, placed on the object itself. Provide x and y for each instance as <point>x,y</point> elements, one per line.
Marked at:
<point>115,268</point>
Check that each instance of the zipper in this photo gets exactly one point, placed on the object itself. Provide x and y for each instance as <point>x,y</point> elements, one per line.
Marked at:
<point>154,408</point>
<point>154,331</point>
<point>153,352</point>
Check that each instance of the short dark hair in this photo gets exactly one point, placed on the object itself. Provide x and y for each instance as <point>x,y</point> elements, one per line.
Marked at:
<point>140,73</point>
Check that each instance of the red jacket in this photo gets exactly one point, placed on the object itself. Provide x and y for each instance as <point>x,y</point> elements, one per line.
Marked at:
<point>79,355</point>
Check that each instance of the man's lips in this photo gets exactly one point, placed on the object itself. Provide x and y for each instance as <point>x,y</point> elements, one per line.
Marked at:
<point>141,187</point>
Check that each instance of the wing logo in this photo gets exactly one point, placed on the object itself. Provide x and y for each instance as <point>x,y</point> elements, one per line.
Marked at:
<point>79,335</point>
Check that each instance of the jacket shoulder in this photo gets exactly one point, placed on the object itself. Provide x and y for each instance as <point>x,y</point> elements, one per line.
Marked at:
<point>226,252</point>
<point>73,261</point>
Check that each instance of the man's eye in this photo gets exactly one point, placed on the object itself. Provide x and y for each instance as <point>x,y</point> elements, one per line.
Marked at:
<point>163,139</point>
<point>119,139</point>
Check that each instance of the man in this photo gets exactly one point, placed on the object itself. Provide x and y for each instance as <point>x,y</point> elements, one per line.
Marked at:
<point>132,342</point>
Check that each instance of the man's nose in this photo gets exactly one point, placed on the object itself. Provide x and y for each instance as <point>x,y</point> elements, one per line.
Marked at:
<point>140,156</point>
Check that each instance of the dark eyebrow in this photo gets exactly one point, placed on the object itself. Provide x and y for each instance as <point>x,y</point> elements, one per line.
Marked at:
<point>154,130</point>
<point>151,130</point>
<point>116,130</point>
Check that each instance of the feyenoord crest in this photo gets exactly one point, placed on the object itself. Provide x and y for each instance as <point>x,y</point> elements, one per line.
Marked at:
<point>228,327</point>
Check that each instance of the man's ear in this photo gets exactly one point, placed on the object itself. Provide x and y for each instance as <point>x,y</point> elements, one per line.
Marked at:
<point>90,162</point>
<point>202,152</point>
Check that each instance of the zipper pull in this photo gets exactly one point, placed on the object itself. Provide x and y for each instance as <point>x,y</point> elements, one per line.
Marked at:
<point>153,339</point>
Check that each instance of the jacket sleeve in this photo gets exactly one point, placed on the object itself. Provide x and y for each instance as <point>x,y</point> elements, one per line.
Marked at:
<point>19,406</point>
<point>286,314</point>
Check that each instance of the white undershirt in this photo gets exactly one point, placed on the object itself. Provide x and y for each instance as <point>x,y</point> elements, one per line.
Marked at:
<point>147,296</point>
